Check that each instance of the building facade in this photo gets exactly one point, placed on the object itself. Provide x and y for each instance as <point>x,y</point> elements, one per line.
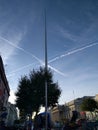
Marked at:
<point>63,112</point>
<point>74,105</point>
<point>96,97</point>
<point>59,113</point>
<point>4,89</point>
<point>12,114</point>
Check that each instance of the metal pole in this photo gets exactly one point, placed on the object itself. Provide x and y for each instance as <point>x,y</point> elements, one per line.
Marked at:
<point>45,73</point>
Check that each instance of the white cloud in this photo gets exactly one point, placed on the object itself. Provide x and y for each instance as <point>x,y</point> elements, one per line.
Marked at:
<point>10,35</point>
<point>67,34</point>
<point>86,32</point>
<point>7,47</point>
<point>12,97</point>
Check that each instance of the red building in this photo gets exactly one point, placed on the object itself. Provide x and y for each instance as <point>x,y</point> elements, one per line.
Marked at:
<point>4,88</point>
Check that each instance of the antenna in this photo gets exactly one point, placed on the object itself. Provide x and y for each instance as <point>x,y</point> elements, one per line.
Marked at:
<point>73,94</point>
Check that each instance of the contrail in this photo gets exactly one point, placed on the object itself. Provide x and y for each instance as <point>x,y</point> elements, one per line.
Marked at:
<point>19,69</point>
<point>11,43</point>
<point>22,50</point>
<point>56,70</point>
<point>73,51</point>
<point>40,61</point>
<point>9,75</point>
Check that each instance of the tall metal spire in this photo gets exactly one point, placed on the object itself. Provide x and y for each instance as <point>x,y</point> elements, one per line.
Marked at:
<point>46,66</point>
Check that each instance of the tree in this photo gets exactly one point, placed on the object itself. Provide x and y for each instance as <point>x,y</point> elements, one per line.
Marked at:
<point>89,104</point>
<point>23,95</point>
<point>30,95</point>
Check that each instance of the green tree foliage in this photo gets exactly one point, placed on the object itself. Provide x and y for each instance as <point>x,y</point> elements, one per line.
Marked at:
<point>30,95</point>
<point>89,104</point>
<point>23,95</point>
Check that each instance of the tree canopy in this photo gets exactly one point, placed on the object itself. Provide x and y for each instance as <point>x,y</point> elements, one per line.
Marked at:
<point>89,104</point>
<point>30,95</point>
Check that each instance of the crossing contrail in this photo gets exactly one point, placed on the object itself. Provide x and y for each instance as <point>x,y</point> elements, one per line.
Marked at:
<point>26,66</point>
<point>40,61</point>
<point>56,70</point>
<point>56,58</point>
<point>73,51</point>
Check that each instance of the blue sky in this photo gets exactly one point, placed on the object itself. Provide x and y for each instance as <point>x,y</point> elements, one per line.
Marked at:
<point>72,40</point>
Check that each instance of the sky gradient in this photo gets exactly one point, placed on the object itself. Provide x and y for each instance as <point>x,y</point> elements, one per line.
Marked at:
<point>72,41</point>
